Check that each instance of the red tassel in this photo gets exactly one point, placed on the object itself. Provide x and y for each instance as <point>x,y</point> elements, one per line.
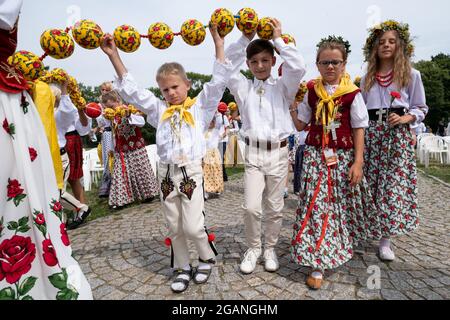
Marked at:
<point>211,237</point>
<point>168,242</point>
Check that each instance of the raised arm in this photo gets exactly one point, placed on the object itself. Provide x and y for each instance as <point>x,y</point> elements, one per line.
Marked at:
<point>294,68</point>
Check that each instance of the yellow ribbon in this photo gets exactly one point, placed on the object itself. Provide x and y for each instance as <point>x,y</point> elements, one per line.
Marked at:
<point>182,109</point>
<point>326,102</point>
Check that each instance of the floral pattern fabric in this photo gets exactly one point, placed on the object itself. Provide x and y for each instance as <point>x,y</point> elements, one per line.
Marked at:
<point>35,255</point>
<point>332,227</point>
<point>391,173</point>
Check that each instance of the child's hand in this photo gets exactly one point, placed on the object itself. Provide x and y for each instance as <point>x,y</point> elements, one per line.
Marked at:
<point>108,45</point>
<point>218,40</point>
<point>64,87</point>
<point>276,25</point>
<point>355,174</point>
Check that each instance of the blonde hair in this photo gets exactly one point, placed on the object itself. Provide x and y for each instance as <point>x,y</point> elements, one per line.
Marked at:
<point>171,68</point>
<point>56,91</point>
<point>110,95</point>
<point>107,84</point>
<point>402,64</point>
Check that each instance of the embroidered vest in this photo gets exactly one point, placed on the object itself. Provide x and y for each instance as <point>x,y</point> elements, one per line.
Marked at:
<point>128,137</point>
<point>11,80</point>
<point>343,133</point>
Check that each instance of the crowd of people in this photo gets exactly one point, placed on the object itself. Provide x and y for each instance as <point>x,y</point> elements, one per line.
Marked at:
<point>350,151</point>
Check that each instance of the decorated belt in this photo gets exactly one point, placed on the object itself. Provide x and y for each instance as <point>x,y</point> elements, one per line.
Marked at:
<point>374,114</point>
<point>108,129</point>
<point>267,145</point>
<point>72,133</point>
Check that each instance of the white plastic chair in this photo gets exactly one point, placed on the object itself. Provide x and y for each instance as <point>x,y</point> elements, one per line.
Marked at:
<point>433,145</point>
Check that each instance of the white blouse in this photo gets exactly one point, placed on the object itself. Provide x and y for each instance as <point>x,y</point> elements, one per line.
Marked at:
<point>359,117</point>
<point>413,97</point>
<point>265,115</point>
<point>192,146</point>
<point>67,119</point>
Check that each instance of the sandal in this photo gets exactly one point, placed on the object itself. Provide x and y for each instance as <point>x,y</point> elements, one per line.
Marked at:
<point>178,279</point>
<point>206,272</point>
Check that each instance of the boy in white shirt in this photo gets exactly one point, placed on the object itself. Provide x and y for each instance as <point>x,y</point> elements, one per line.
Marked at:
<point>266,125</point>
<point>181,123</point>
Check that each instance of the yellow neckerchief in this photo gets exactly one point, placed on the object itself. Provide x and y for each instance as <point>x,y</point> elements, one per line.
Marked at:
<point>326,102</point>
<point>182,110</point>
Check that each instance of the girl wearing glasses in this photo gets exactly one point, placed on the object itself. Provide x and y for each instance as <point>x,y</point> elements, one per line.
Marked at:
<point>335,207</point>
<point>395,98</point>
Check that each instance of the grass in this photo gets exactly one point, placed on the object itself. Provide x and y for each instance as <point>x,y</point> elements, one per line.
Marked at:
<point>437,170</point>
<point>100,208</point>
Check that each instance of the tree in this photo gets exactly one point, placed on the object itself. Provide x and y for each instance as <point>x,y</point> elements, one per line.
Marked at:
<point>436,80</point>
<point>91,94</point>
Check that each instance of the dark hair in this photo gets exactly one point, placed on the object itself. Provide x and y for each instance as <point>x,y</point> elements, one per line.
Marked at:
<point>258,46</point>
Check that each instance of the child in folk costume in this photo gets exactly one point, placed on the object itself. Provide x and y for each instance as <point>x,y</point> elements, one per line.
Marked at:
<point>66,114</point>
<point>234,154</point>
<point>181,123</point>
<point>335,205</point>
<point>266,125</point>
<point>212,162</point>
<point>107,146</point>
<point>34,246</point>
<point>395,97</point>
<point>133,177</point>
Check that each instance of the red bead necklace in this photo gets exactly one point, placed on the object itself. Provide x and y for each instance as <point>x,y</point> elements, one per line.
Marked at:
<point>386,80</point>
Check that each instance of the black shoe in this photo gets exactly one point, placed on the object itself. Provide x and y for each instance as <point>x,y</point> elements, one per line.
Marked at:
<point>86,214</point>
<point>75,224</point>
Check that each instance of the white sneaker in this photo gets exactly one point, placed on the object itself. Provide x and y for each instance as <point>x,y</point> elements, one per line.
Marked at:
<point>270,260</point>
<point>251,256</point>
<point>386,254</point>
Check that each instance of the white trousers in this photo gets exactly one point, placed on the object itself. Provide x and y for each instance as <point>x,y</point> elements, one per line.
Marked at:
<point>265,178</point>
<point>184,216</point>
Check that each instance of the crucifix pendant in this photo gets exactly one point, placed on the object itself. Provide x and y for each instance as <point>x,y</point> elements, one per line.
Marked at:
<point>332,127</point>
<point>260,92</point>
<point>380,113</point>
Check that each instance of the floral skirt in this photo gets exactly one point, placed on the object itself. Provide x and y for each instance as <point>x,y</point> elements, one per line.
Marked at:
<point>212,171</point>
<point>391,173</point>
<point>132,179</point>
<point>329,222</point>
<point>35,254</point>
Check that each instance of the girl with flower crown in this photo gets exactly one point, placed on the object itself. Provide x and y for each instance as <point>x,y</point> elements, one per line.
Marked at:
<point>395,97</point>
<point>335,205</point>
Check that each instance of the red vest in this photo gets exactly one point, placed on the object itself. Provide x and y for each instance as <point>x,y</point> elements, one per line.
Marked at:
<point>128,137</point>
<point>343,133</point>
<point>11,80</point>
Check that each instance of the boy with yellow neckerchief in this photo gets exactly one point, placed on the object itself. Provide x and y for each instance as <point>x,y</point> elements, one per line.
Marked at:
<point>181,123</point>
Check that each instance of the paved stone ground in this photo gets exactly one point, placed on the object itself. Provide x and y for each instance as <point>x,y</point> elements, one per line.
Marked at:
<point>124,256</point>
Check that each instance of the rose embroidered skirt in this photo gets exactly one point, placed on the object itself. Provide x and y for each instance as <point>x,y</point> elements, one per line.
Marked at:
<point>331,215</point>
<point>390,169</point>
<point>35,252</point>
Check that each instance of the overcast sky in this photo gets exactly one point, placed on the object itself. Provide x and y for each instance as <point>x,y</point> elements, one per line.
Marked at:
<point>307,21</point>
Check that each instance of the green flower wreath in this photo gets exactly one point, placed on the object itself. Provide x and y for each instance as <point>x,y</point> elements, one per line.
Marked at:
<point>375,32</point>
<point>339,39</point>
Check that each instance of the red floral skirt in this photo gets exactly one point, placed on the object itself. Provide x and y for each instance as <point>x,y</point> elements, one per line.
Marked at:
<point>74,148</point>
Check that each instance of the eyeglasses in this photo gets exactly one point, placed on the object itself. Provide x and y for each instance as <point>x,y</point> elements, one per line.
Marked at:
<point>326,63</point>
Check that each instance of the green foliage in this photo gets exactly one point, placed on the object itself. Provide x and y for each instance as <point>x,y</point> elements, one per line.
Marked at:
<point>91,94</point>
<point>436,80</point>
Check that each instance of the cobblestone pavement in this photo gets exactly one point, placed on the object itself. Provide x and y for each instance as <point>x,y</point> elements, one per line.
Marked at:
<point>124,256</point>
